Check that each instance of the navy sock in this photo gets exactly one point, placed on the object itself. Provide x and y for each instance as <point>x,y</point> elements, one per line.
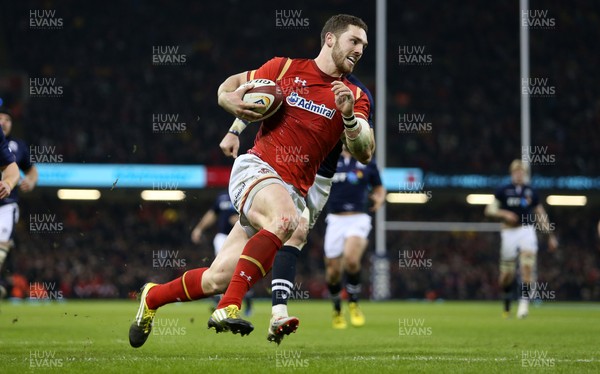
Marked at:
<point>334,291</point>
<point>507,296</point>
<point>284,273</point>
<point>353,286</point>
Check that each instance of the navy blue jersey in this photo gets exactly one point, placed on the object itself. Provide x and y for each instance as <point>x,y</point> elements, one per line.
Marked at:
<point>21,153</point>
<point>328,166</point>
<point>224,209</point>
<point>520,200</point>
<point>6,158</point>
<point>351,184</point>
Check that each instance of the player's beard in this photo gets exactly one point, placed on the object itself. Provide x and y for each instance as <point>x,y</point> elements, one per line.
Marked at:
<point>339,59</point>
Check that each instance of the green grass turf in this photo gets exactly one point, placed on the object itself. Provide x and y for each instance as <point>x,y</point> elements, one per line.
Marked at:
<point>91,337</point>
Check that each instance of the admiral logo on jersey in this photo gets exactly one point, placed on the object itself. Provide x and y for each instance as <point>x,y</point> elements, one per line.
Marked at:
<point>298,101</point>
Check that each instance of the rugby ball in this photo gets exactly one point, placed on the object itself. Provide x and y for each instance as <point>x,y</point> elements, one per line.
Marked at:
<point>264,92</point>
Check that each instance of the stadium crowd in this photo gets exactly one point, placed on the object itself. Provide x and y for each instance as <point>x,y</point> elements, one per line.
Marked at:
<point>109,250</point>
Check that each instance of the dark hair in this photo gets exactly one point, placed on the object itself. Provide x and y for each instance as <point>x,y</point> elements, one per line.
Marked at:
<point>339,23</point>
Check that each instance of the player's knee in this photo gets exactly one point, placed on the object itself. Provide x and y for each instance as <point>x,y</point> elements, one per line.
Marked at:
<point>299,236</point>
<point>334,277</point>
<point>333,274</point>
<point>505,278</point>
<point>527,260</point>
<point>352,265</point>
<point>285,224</point>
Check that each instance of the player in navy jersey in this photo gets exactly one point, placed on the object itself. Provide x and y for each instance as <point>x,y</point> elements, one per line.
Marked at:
<point>223,214</point>
<point>9,210</point>
<point>348,227</point>
<point>518,206</point>
<point>284,265</point>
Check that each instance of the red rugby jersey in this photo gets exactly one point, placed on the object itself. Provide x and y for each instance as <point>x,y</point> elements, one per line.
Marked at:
<point>296,139</point>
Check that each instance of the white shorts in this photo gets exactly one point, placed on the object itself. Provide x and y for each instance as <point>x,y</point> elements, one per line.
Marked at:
<point>249,175</point>
<point>218,242</point>
<point>317,197</point>
<point>517,239</point>
<point>340,227</point>
<point>9,216</point>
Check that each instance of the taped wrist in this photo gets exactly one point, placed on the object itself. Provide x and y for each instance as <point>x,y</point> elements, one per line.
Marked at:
<point>350,123</point>
<point>238,126</point>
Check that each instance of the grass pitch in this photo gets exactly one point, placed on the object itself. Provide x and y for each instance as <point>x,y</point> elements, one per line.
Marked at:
<point>399,337</point>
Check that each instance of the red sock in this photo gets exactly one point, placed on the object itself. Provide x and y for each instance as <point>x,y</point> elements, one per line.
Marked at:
<point>185,288</point>
<point>260,250</point>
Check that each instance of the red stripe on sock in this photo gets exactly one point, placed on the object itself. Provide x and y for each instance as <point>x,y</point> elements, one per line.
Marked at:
<point>262,247</point>
<point>174,291</point>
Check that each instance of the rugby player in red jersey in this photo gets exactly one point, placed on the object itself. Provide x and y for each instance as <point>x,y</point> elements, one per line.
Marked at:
<point>268,185</point>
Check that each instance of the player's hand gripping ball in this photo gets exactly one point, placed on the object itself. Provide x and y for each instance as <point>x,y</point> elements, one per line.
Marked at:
<point>265,92</point>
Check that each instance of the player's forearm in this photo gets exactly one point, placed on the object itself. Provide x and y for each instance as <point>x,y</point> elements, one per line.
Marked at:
<point>491,210</point>
<point>359,139</point>
<point>378,195</point>
<point>238,126</point>
<point>379,192</point>
<point>509,218</point>
<point>207,220</point>
<point>10,175</point>
<point>544,221</point>
<point>498,213</point>
<point>32,175</point>
<point>229,85</point>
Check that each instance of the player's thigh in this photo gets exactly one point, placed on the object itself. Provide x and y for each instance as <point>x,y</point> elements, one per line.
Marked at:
<point>508,255</point>
<point>317,197</point>
<point>354,248</point>
<point>262,198</point>
<point>9,215</point>
<point>273,209</point>
<point>334,236</point>
<point>358,227</point>
<point>509,246</point>
<point>528,240</point>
